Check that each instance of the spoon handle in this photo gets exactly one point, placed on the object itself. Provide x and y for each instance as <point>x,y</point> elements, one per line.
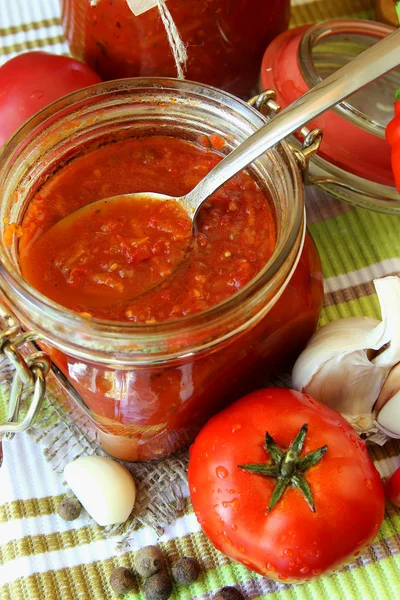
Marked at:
<point>371,64</point>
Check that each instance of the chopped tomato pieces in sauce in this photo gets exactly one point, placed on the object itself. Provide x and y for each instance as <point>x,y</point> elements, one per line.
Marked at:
<point>106,262</point>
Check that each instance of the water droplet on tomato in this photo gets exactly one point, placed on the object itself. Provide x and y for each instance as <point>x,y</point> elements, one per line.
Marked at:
<point>353,439</point>
<point>221,472</point>
<point>194,490</point>
<point>236,427</point>
<point>316,571</point>
<point>234,527</point>
<point>304,570</point>
<point>357,553</point>
<point>368,484</point>
<point>288,552</point>
<point>234,503</point>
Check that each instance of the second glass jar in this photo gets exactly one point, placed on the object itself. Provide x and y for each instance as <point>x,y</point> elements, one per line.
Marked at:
<point>225,39</point>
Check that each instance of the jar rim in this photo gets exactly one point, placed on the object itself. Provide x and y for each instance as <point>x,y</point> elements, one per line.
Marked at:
<point>24,292</point>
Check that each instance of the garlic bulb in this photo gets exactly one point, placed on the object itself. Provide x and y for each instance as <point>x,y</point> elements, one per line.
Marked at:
<point>350,365</point>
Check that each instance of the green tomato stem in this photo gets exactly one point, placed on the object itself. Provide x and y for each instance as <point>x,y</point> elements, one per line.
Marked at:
<point>287,467</point>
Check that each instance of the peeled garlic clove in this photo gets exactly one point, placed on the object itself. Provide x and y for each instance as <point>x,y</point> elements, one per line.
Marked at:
<point>389,415</point>
<point>104,488</point>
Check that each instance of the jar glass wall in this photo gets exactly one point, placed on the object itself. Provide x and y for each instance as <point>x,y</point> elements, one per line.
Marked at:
<point>149,387</point>
<point>225,39</point>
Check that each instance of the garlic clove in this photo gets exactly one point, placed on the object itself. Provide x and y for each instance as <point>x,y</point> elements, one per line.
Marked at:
<point>345,382</point>
<point>334,341</point>
<point>388,291</point>
<point>104,487</point>
<point>389,415</point>
<point>345,336</point>
<point>389,389</point>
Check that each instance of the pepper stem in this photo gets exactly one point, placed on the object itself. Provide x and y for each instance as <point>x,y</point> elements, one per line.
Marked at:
<point>397,8</point>
<point>287,466</point>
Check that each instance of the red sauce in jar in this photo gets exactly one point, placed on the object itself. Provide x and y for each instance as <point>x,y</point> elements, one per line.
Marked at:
<point>225,39</point>
<point>153,408</point>
<point>101,263</point>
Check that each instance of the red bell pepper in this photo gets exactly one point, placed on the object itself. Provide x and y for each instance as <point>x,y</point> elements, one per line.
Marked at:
<point>393,128</point>
<point>393,137</point>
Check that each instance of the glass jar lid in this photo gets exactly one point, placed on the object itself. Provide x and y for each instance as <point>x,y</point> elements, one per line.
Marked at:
<point>353,162</point>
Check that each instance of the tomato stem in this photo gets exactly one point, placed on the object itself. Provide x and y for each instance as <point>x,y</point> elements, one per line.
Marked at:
<point>287,467</point>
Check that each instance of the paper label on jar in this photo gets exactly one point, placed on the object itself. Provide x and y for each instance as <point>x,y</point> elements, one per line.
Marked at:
<point>141,6</point>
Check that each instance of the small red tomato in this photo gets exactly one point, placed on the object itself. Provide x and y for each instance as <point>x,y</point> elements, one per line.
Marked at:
<point>32,80</point>
<point>285,486</point>
<point>392,488</point>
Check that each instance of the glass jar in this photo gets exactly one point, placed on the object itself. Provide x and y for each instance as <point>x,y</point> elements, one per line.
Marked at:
<point>148,388</point>
<point>225,39</point>
<point>353,161</point>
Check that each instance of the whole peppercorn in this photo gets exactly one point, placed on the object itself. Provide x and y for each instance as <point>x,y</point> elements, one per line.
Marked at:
<point>122,580</point>
<point>186,570</point>
<point>148,561</point>
<point>69,508</point>
<point>228,593</point>
<point>158,586</point>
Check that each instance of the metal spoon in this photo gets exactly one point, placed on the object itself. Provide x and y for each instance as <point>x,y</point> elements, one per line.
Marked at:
<point>365,68</point>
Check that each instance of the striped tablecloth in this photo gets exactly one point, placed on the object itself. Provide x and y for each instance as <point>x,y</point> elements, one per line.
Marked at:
<point>44,558</point>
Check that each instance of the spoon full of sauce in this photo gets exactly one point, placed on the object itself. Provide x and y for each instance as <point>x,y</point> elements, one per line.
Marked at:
<point>182,211</point>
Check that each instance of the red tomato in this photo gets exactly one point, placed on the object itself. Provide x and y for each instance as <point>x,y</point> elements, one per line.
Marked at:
<point>32,80</point>
<point>392,488</point>
<point>290,542</point>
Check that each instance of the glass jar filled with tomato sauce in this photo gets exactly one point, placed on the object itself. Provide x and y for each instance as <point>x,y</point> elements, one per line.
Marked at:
<point>150,370</point>
<point>224,39</point>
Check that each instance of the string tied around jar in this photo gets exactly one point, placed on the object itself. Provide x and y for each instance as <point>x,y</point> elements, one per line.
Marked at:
<point>177,46</point>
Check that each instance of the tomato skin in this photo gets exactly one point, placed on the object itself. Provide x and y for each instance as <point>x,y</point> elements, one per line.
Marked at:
<point>32,80</point>
<point>291,543</point>
<point>392,488</point>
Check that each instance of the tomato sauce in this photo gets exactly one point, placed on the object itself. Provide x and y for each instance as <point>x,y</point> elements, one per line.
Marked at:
<point>149,410</point>
<point>102,262</point>
<point>225,39</point>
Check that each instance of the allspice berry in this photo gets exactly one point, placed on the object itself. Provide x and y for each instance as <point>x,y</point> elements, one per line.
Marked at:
<point>186,570</point>
<point>69,508</point>
<point>228,593</point>
<point>148,561</point>
<point>122,580</point>
<point>158,586</point>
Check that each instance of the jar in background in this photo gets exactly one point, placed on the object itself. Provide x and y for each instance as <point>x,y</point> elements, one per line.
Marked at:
<point>148,388</point>
<point>225,39</point>
<point>353,161</point>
